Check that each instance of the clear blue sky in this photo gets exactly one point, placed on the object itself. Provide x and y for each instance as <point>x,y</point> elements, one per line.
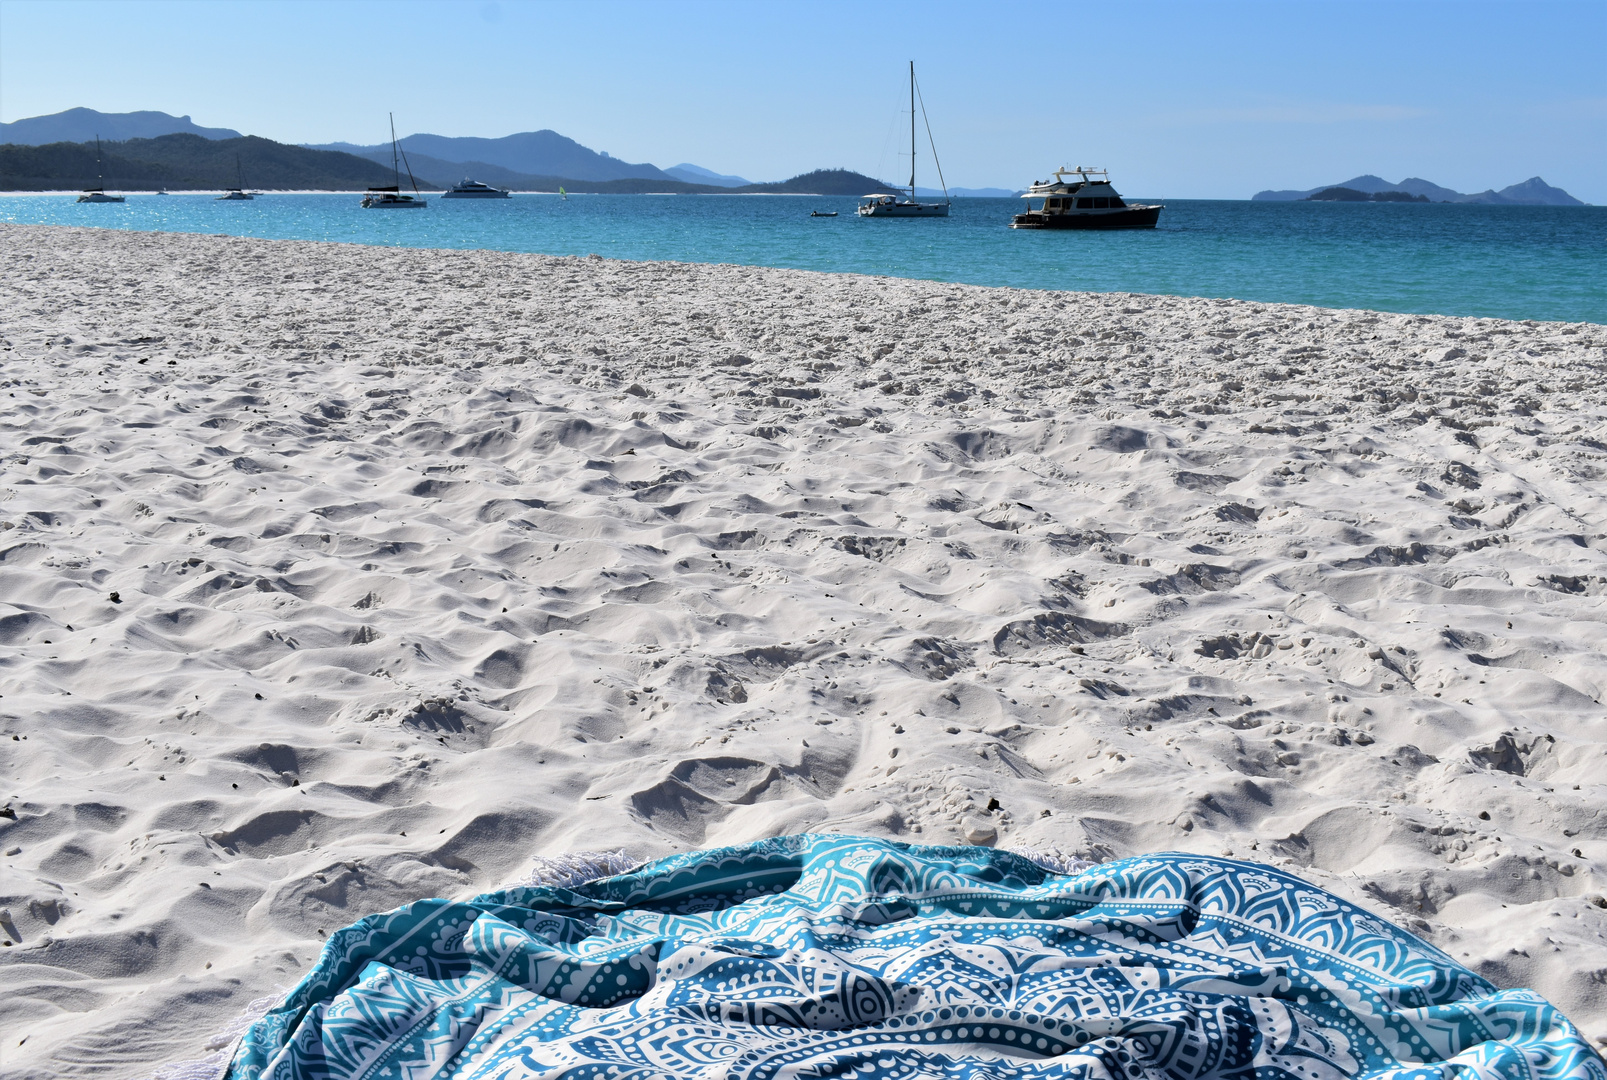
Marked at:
<point>1180,99</point>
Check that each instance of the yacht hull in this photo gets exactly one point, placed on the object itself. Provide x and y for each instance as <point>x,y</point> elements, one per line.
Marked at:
<point>1133,217</point>
<point>96,197</point>
<point>475,195</point>
<point>906,210</point>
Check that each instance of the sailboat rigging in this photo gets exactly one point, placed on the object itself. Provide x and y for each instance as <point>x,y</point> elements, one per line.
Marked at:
<point>884,204</point>
<point>390,197</point>
<point>97,193</point>
<point>238,193</point>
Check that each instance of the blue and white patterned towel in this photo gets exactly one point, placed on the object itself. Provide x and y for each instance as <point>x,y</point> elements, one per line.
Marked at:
<point>813,956</point>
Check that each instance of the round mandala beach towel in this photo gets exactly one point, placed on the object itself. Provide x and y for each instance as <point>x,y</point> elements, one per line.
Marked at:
<point>815,956</point>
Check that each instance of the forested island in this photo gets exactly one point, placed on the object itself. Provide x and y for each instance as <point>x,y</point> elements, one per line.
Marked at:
<point>185,162</point>
<point>1345,194</point>
<point>188,163</point>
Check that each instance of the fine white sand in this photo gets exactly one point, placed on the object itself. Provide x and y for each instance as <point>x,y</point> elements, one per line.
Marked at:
<point>333,577</point>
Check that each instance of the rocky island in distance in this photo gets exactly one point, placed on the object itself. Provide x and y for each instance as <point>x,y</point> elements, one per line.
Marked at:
<point>1532,192</point>
<point>1345,194</point>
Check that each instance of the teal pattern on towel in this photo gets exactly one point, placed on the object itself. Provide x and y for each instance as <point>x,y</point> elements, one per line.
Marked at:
<point>812,956</point>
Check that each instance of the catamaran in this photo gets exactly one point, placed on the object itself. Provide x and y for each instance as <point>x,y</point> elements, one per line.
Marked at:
<point>238,193</point>
<point>98,192</point>
<point>390,197</point>
<point>884,204</point>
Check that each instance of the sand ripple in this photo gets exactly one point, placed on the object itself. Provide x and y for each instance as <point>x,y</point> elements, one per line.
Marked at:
<point>332,577</point>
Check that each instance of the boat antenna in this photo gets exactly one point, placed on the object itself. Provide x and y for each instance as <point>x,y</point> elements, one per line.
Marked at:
<point>927,121</point>
<point>912,131</point>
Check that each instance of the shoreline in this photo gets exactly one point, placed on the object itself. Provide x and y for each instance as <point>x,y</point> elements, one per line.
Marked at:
<point>1578,324</point>
<point>439,191</point>
<point>526,554</point>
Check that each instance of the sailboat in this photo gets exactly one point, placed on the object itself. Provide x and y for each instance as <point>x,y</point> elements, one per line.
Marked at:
<point>883,204</point>
<point>98,192</point>
<point>238,192</point>
<point>562,194</point>
<point>391,198</point>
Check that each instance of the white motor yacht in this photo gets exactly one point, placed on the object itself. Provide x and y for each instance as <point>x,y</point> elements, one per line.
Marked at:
<point>473,189</point>
<point>1084,202</point>
<point>886,204</point>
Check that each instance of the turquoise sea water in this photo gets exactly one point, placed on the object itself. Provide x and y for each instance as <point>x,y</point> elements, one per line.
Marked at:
<point>1511,262</point>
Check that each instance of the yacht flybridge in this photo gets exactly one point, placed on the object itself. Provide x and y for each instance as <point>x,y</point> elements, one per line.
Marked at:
<point>886,204</point>
<point>473,189</point>
<point>1083,199</point>
<point>391,197</point>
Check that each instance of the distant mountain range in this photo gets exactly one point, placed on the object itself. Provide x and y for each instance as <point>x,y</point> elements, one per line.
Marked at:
<point>533,153</point>
<point>191,162</point>
<point>1532,192</point>
<point>187,162</point>
<point>696,174</point>
<point>83,125</point>
<point>527,161</point>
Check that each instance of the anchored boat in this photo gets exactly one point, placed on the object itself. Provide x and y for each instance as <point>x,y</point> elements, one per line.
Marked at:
<point>238,193</point>
<point>98,192</point>
<point>885,204</point>
<point>473,189</point>
<point>391,197</point>
<point>1083,200</point>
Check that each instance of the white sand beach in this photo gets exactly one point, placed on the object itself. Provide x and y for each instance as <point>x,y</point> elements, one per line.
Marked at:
<point>333,577</point>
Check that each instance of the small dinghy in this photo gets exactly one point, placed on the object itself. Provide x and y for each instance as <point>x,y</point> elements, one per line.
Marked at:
<point>822,213</point>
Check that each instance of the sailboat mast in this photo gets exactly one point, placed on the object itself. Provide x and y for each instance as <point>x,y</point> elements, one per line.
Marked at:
<point>912,131</point>
<point>396,172</point>
<point>100,177</point>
